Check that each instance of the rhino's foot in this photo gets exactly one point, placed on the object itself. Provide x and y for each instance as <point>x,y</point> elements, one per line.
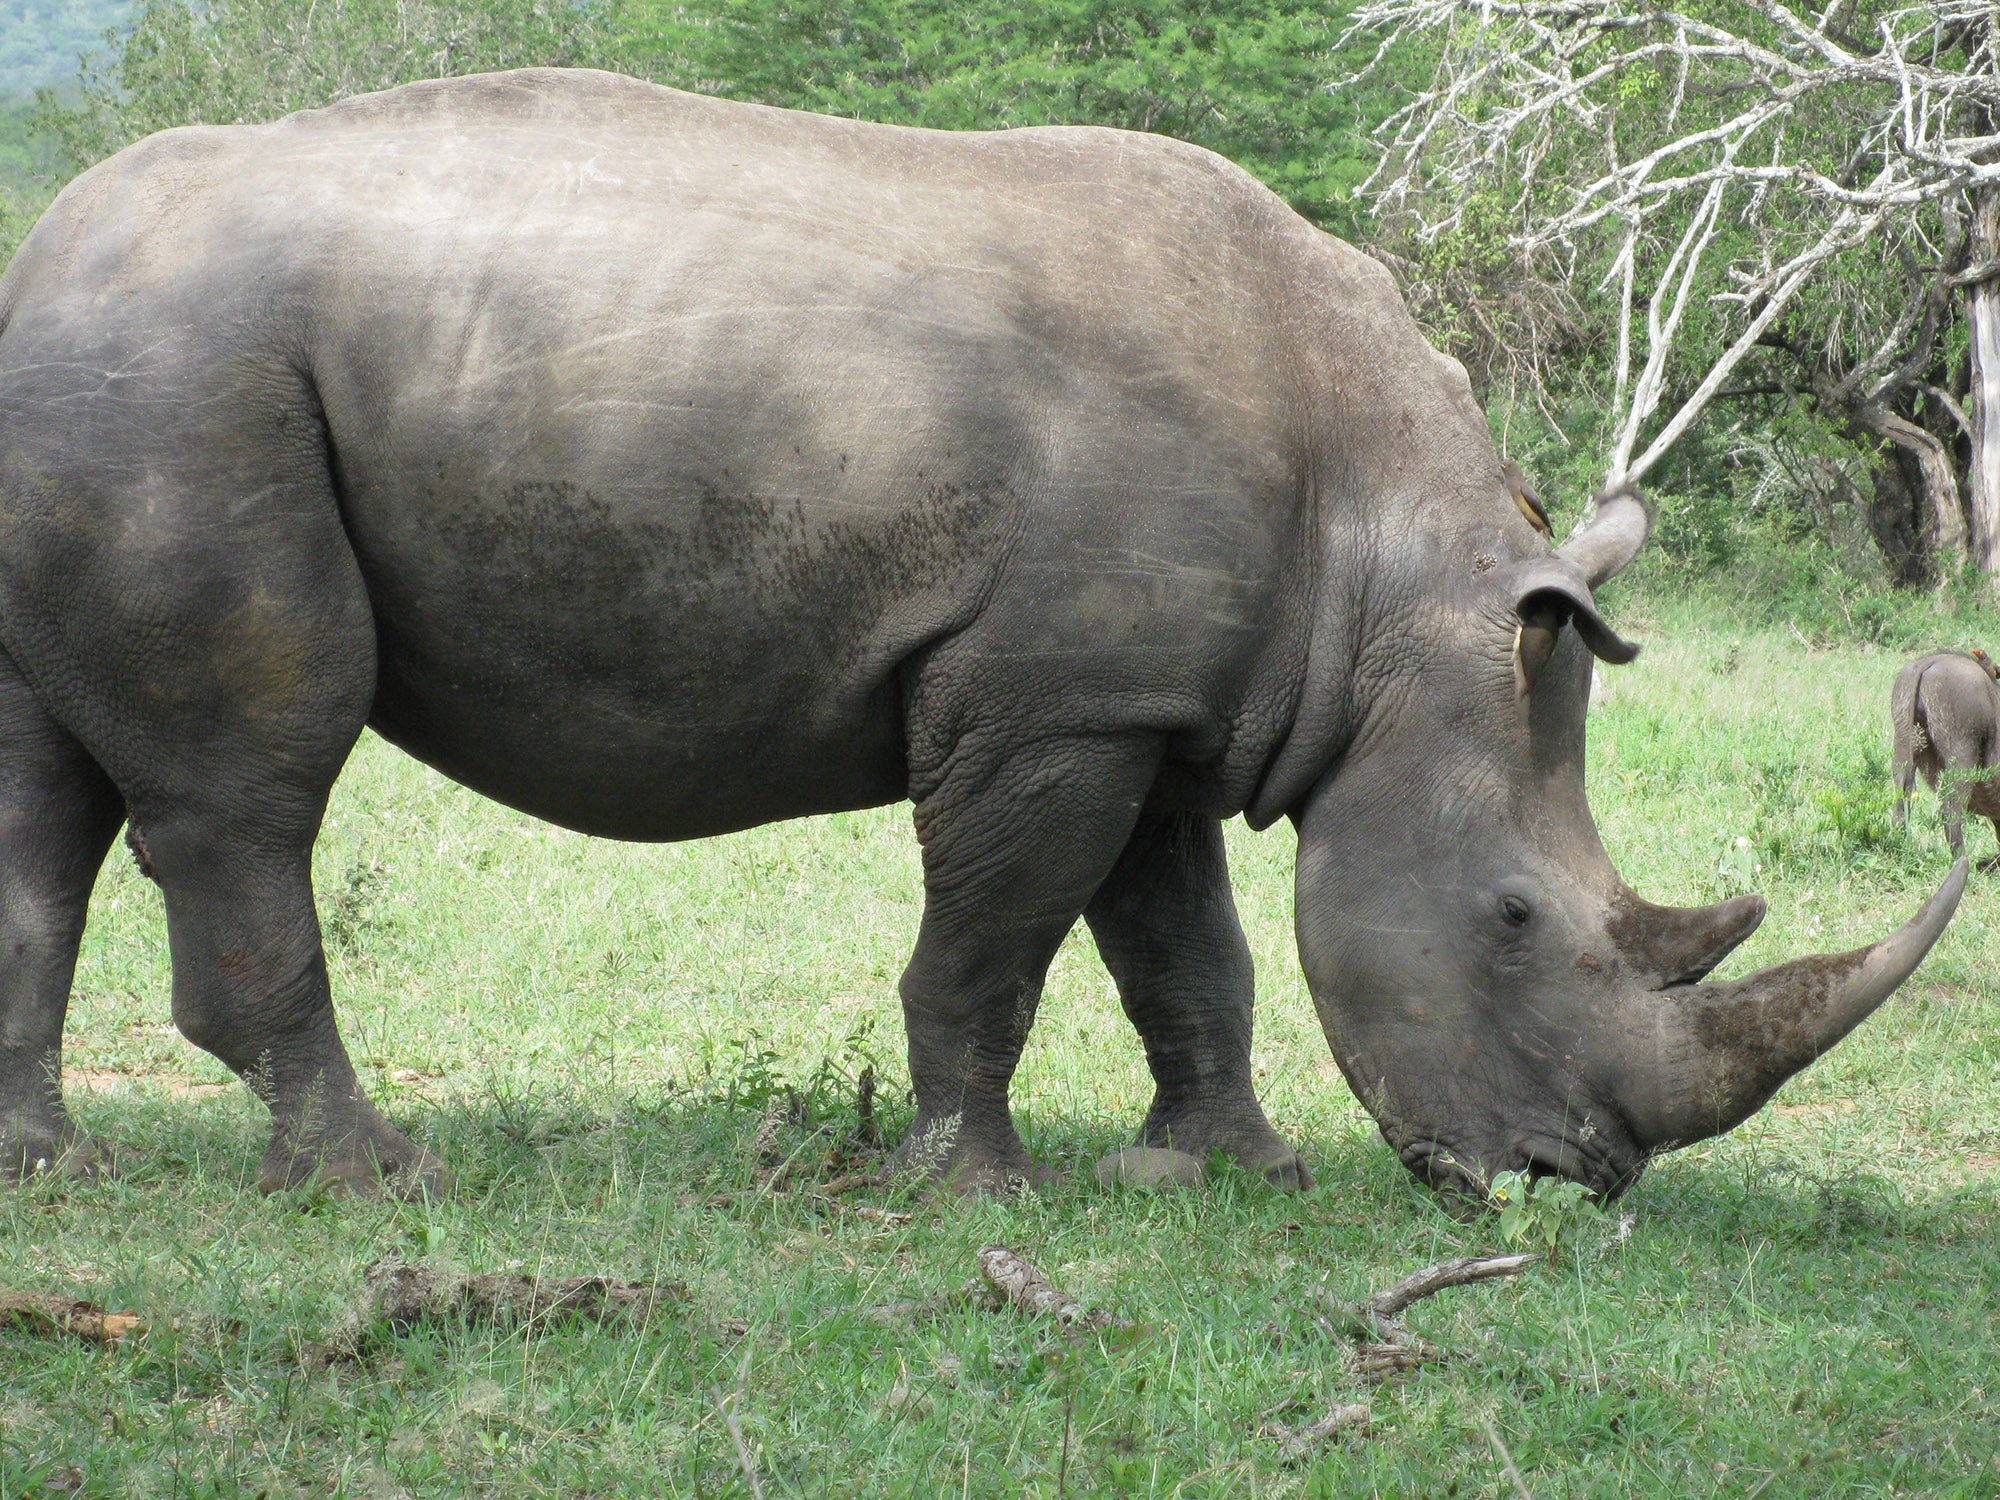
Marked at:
<point>61,1151</point>
<point>1241,1134</point>
<point>940,1152</point>
<point>361,1154</point>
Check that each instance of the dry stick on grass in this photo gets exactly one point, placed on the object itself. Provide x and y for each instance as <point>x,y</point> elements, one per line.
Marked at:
<point>1384,1305</point>
<point>1295,1442</point>
<point>401,1295</point>
<point>57,1317</point>
<point>1026,1289</point>
<point>1004,1280</point>
<point>1384,1346</point>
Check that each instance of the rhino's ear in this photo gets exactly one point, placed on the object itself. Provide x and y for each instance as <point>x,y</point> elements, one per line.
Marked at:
<point>1547,596</point>
<point>1612,539</point>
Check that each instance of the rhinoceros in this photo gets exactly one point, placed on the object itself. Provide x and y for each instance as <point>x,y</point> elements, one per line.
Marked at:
<point>1946,711</point>
<point>663,466</point>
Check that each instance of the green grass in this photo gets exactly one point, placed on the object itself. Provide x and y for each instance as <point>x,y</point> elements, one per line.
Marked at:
<point>585,1031</point>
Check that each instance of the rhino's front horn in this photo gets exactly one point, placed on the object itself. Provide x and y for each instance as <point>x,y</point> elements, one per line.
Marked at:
<point>1722,1050</point>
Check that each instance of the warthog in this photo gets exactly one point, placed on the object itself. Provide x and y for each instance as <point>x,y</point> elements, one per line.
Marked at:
<point>1946,709</point>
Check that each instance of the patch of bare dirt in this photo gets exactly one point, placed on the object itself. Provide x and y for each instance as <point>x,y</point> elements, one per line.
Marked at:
<point>1817,1109</point>
<point>113,1081</point>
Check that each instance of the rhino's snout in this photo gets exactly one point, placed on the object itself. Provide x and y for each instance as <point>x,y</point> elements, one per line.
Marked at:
<point>1604,1160</point>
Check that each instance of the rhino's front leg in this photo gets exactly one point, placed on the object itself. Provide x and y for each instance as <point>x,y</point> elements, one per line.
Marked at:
<point>1165,923</point>
<point>1015,841</point>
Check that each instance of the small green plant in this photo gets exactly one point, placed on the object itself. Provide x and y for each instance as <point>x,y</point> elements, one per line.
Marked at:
<point>1540,1211</point>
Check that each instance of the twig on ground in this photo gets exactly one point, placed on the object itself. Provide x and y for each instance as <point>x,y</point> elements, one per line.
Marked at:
<point>1407,1353</point>
<point>400,1295</point>
<point>1383,1346</point>
<point>1021,1286</point>
<point>57,1317</point>
<point>1431,1280</point>
<point>1005,1280</point>
<point>1295,1442</point>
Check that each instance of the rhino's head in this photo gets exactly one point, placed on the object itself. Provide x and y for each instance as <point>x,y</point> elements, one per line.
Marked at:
<point>1497,997</point>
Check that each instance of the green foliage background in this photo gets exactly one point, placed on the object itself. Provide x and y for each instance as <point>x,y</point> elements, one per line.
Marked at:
<point>41,39</point>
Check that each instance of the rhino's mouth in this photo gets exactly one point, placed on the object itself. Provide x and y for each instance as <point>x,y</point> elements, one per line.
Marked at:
<point>1607,1166</point>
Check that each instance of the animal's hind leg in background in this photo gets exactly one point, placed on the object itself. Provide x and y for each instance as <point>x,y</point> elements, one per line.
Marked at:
<point>1907,732</point>
<point>1165,922</point>
<point>182,594</point>
<point>58,813</point>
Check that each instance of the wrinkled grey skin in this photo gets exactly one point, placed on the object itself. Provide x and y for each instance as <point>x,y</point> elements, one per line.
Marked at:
<point>1946,712</point>
<point>663,466</point>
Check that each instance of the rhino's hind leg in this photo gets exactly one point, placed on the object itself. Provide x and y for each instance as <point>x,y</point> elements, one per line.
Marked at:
<point>1013,847</point>
<point>1165,923</point>
<point>204,632</point>
<point>229,838</point>
<point>58,813</point>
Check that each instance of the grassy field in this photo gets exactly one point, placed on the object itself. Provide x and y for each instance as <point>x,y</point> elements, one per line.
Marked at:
<point>588,1034</point>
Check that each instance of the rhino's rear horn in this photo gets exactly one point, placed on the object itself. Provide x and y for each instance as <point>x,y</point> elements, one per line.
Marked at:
<point>1665,945</point>
<point>1612,539</point>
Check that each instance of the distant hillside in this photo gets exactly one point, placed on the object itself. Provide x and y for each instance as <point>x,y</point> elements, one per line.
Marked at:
<point>41,39</point>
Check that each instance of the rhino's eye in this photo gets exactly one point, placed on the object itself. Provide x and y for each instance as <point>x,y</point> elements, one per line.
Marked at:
<point>1514,911</point>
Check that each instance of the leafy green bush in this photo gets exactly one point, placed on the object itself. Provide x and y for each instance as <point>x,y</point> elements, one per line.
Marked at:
<point>1540,1211</point>
<point>223,62</point>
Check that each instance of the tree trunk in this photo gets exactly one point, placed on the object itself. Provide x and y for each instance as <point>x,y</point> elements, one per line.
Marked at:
<point>1896,517</point>
<point>1936,482</point>
<point>1982,311</point>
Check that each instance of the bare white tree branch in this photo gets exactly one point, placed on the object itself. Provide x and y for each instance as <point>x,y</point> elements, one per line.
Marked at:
<point>1720,160</point>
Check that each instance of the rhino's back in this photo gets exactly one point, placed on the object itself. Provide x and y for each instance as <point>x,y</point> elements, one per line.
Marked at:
<point>667,431</point>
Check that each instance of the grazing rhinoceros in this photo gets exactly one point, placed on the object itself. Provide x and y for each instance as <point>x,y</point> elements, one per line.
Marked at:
<point>663,466</point>
<point>1946,712</point>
